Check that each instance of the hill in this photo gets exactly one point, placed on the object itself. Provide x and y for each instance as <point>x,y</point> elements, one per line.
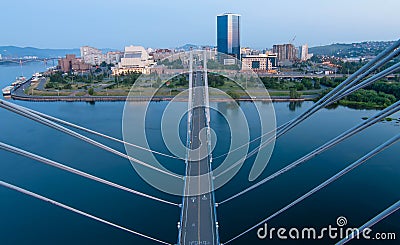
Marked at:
<point>187,47</point>
<point>16,52</point>
<point>351,50</point>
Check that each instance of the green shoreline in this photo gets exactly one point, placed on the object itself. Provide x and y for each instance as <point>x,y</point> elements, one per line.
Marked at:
<point>63,88</point>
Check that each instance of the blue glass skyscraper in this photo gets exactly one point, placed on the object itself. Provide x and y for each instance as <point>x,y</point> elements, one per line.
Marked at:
<point>228,34</point>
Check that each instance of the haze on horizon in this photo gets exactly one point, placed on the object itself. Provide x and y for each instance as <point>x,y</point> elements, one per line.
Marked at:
<point>172,23</point>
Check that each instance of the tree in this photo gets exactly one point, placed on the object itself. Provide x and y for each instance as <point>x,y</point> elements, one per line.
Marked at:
<point>49,85</point>
<point>57,78</point>
<point>294,94</point>
<point>67,86</point>
<point>299,86</point>
<point>307,83</point>
<point>90,91</point>
<point>216,80</point>
<point>317,84</point>
<point>158,81</point>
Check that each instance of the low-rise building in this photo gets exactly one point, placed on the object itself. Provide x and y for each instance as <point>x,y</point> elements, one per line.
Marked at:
<point>72,64</point>
<point>245,51</point>
<point>160,54</point>
<point>260,63</point>
<point>249,51</point>
<point>136,59</point>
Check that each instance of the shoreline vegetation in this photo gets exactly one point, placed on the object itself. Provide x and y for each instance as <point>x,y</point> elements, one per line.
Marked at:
<point>91,87</point>
<point>100,85</point>
<point>379,95</point>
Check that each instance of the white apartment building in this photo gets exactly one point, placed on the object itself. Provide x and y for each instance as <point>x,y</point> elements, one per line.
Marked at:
<point>303,52</point>
<point>92,56</point>
<point>114,57</point>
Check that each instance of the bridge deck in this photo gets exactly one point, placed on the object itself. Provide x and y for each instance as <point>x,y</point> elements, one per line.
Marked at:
<point>198,217</point>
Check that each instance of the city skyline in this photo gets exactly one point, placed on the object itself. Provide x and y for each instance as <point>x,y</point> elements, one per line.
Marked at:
<point>174,23</point>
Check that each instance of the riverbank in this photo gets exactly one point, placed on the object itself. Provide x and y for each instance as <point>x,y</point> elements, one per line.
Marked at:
<point>142,98</point>
<point>37,92</point>
<point>20,93</point>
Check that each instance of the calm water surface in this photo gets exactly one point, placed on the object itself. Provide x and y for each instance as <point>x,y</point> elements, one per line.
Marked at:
<point>358,196</point>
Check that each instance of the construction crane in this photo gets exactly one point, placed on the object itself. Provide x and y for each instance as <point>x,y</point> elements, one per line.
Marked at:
<point>292,40</point>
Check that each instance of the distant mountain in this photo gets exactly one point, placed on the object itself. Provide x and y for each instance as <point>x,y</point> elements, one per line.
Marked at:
<point>187,47</point>
<point>16,52</point>
<point>351,50</point>
<point>331,49</point>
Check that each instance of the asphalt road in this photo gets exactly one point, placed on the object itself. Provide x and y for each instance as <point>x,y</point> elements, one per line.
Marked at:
<point>198,217</point>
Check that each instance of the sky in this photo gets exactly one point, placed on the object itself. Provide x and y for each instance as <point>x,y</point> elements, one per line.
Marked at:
<point>171,23</point>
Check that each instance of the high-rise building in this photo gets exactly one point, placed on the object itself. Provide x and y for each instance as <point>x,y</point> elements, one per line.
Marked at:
<point>303,52</point>
<point>92,55</point>
<point>228,34</point>
<point>286,52</point>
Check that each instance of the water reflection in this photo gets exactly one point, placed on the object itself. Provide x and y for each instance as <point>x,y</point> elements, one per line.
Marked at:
<point>293,105</point>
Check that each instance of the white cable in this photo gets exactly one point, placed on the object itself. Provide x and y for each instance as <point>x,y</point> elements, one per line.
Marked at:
<point>30,115</point>
<point>32,194</point>
<point>387,212</point>
<point>324,184</point>
<point>78,172</point>
<point>361,126</point>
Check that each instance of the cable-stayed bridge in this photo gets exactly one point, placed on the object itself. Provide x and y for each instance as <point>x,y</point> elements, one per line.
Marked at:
<point>198,222</point>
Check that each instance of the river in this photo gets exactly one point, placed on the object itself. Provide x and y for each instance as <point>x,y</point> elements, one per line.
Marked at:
<point>358,196</point>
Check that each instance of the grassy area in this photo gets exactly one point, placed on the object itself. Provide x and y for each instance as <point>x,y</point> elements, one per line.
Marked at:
<point>279,93</point>
<point>111,93</point>
<point>32,89</point>
<point>50,93</point>
<point>81,93</point>
<point>121,86</point>
<point>124,91</point>
<point>167,93</point>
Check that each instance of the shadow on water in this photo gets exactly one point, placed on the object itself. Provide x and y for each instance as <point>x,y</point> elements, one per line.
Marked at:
<point>294,105</point>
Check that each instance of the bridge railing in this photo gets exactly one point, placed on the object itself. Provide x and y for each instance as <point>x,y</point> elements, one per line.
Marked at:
<point>188,143</point>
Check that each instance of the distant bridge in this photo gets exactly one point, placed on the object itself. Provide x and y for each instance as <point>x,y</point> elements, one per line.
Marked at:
<point>26,60</point>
